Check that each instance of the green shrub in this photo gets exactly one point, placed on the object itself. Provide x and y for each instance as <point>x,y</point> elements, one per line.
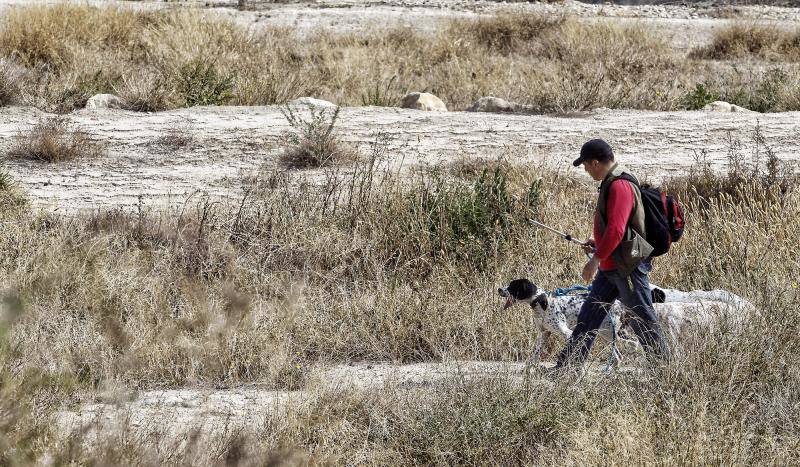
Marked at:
<point>699,97</point>
<point>382,97</point>
<point>764,94</point>
<point>199,83</point>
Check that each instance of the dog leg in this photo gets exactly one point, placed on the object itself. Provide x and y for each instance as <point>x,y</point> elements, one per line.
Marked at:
<point>536,357</point>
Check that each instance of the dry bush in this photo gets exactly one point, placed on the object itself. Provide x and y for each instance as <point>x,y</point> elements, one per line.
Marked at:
<point>178,136</point>
<point>506,32</point>
<point>146,91</point>
<point>54,140</point>
<point>12,77</point>
<point>314,142</point>
<point>754,174</point>
<point>747,39</point>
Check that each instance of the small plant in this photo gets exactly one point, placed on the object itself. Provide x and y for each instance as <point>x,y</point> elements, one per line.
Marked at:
<point>176,137</point>
<point>54,140</point>
<point>146,91</point>
<point>313,143</point>
<point>201,84</point>
<point>699,97</point>
<point>381,97</point>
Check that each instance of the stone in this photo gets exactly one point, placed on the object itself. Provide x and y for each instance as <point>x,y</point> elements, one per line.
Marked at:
<point>423,101</point>
<point>104,101</point>
<point>722,106</point>
<point>492,104</point>
<point>310,101</point>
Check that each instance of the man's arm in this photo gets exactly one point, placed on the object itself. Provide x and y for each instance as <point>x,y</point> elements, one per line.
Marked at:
<point>618,209</point>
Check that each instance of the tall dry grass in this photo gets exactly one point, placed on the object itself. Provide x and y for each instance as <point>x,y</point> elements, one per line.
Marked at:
<point>741,40</point>
<point>368,266</point>
<point>164,59</point>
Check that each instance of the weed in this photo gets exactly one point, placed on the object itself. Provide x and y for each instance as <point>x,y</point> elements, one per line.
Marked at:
<point>313,142</point>
<point>177,136</point>
<point>699,97</point>
<point>382,97</point>
<point>54,140</point>
<point>745,39</point>
<point>199,83</point>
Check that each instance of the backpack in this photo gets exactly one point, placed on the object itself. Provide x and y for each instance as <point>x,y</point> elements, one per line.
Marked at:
<point>663,217</point>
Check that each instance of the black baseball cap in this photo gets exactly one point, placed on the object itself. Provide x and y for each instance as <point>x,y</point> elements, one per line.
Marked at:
<point>595,149</point>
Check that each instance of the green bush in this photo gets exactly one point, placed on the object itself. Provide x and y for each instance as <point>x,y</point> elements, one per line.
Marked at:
<point>466,220</point>
<point>201,84</point>
<point>699,97</point>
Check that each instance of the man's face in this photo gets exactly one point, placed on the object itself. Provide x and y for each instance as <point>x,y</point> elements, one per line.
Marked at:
<point>595,169</point>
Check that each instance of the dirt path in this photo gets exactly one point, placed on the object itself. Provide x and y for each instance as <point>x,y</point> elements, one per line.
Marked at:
<point>172,416</point>
<point>230,142</point>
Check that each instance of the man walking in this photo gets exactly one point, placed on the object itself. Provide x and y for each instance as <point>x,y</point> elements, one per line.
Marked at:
<point>620,264</point>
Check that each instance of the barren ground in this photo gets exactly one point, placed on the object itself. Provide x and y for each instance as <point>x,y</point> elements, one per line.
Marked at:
<point>229,142</point>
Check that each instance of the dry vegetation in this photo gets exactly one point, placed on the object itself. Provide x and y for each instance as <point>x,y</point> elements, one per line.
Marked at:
<point>365,266</point>
<point>753,40</point>
<point>314,142</point>
<point>158,60</point>
<point>54,140</point>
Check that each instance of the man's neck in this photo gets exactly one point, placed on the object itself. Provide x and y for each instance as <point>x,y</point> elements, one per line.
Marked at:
<point>607,168</point>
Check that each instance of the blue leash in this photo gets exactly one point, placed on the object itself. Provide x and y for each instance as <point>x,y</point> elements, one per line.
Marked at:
<point>583,289</point>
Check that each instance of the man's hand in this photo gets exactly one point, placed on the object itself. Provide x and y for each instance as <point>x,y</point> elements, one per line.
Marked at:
<point>590,269</point>
<point>588,246</point>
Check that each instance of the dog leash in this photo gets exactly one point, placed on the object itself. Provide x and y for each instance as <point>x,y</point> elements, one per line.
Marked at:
<point>584,289</point>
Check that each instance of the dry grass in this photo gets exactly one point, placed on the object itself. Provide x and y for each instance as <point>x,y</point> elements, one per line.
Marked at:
<point>54,140</point>
<point>166,59</point>
<point>356,268</point>
<point>314,141</point>
<point>743,40</point>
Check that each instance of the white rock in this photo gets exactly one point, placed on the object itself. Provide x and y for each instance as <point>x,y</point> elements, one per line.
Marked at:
<point>492,104</point>
<point>104,101</point>
<point>310,101</point>
<point>423,101</point>
<point>722,106</point>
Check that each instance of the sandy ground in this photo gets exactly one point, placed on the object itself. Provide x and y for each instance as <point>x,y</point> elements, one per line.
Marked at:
<point>232,142</point>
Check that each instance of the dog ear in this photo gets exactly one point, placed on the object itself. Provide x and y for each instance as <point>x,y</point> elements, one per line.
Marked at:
<point>659,296</point>
<point>542,301</point>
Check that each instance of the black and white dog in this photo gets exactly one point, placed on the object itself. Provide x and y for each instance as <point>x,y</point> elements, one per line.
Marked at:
<point>558,315</point>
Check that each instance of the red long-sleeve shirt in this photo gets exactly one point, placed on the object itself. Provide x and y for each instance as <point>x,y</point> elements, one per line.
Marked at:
<point>618,209</point>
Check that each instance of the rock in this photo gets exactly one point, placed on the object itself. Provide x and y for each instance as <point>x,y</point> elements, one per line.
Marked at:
<point>423,101</point>
<point>104,101</point>
<point>310,101</point>
<point>492,104</point>
<point>722,106</point>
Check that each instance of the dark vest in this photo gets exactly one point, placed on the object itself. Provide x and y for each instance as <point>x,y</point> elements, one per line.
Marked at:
<point>633,248</point>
